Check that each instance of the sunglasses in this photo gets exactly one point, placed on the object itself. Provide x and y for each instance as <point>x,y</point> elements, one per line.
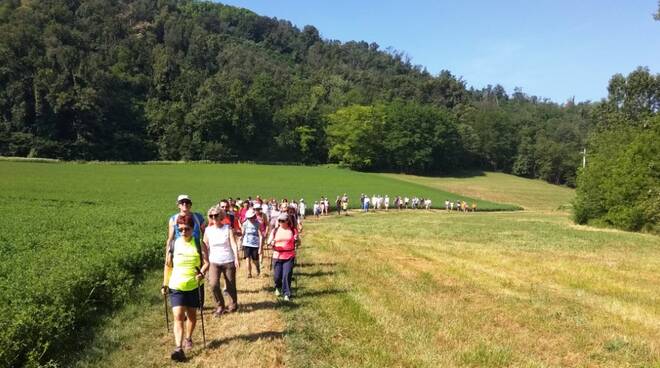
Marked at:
<point>182,229</point>
<point>214,216</point>
<point>186,203</point>
<point>281,220</point>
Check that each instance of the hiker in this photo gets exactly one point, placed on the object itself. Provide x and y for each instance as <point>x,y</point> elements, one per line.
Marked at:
<point>322,206</point>
<point>338,205</point>
<point>302,208</point>
<point>241,213</point>
<point>264,227</point>
<point>387,202</point>
<point>222,251</point>
<point>184,203</point>
<point>474,206</point>
<point>283,240</point>
<point>344,203</point>
<point>317,209</point>
<point>295,221</point>
<point>251,241</point>
<point>184,271</point>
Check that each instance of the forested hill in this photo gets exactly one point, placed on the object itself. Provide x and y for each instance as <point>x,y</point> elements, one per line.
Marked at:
<point>177,79</point>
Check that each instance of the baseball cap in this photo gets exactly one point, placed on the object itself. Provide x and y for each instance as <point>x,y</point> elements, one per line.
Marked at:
<point>250,213</point>
<point>183,197</point>
<point>283,217</point>
<point>257,206</point>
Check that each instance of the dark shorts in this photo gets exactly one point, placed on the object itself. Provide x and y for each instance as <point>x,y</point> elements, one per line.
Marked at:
<point>188,299</point>
<point>251,252</point>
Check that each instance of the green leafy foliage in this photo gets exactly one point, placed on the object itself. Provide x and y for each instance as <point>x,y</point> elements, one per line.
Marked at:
<point>139,80</point>
<point>620,185</point>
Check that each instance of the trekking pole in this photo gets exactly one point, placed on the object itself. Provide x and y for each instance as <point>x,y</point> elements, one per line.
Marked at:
<point>296,261</point>
<point>167,317</point>
<point>201,308</point>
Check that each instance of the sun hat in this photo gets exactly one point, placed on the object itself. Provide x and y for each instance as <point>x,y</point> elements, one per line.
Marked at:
<point>250,213</point>
<point>183,197</point>
<point>283,217</point>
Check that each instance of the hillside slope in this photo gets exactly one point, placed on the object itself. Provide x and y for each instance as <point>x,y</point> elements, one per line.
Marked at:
<point>503,188</point>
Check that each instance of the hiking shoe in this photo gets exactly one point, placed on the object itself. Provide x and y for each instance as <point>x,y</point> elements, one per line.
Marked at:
<point>287,298</point>
<point>187,344</point>
<point>178,355</point>
<point>219,312</point>
<point>277,292</point>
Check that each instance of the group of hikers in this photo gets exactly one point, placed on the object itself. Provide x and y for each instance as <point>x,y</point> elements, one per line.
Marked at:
<point>200,249</point>
<point>210,248</point>
<point>459,205</point>
<point>374,203</point>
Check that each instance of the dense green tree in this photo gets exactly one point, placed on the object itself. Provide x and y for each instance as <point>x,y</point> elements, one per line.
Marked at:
<point>188,80</point>
<point>620,185</point>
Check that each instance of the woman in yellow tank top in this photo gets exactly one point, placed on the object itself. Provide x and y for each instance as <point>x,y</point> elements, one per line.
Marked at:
<point>185,267</point>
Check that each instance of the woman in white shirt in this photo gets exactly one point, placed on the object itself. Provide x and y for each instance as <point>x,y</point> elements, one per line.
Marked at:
<point>223,259</point>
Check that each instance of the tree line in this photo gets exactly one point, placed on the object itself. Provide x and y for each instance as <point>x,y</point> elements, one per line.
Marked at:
<point>191,80</point>
<point>620,185</point>
<point>138,80</point>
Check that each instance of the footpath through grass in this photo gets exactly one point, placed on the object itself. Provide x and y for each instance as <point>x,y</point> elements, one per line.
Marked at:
<point>77,238</point>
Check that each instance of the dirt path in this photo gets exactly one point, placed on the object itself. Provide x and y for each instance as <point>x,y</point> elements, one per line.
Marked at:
<point>253,336</point>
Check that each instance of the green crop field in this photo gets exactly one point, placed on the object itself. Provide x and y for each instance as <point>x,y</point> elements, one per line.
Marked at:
<point>76,238</point>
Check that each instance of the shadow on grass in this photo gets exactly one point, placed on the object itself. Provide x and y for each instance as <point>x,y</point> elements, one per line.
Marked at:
<point>250,307</point>
<point>457,174</point>
<point>314,274</point>
<point>270,335</point>
<point>302,293</point>
<point>316,264</point>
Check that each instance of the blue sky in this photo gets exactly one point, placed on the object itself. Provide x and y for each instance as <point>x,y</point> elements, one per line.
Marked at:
<point>555,49</point>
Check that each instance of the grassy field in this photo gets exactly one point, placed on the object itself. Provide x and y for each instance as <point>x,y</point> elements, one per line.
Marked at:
<point>77,238</point>
<point>530,194</point>
<point>434,289</point>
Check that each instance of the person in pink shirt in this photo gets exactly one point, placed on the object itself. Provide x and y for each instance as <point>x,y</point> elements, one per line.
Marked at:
<point>283,240</point>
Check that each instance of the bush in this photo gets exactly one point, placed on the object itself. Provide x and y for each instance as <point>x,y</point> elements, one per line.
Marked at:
<point>621,182</point>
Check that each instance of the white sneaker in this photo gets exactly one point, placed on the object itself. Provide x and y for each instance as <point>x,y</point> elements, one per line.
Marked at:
<point>286,298</point>
<point>277,292</point>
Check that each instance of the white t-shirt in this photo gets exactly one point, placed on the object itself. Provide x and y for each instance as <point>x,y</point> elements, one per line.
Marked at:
<point>219,244</point>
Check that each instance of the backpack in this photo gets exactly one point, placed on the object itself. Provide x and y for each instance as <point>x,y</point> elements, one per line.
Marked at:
<point>199,220</point>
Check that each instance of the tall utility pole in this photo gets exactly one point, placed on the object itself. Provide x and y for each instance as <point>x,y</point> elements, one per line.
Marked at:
<point>584,157</point>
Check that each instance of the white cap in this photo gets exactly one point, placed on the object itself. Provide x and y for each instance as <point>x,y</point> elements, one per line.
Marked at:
<point>250,213</point>
<point>182,197</point>
<point>257,206</point>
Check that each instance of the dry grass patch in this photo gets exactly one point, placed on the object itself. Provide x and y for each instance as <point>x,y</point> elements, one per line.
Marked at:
<point>480,290</point>
<point>136,336</point>
<point>502,188</point>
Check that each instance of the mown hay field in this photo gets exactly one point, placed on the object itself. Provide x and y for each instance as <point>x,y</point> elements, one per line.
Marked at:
<point>434,289</point>
<point>76,238</point>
